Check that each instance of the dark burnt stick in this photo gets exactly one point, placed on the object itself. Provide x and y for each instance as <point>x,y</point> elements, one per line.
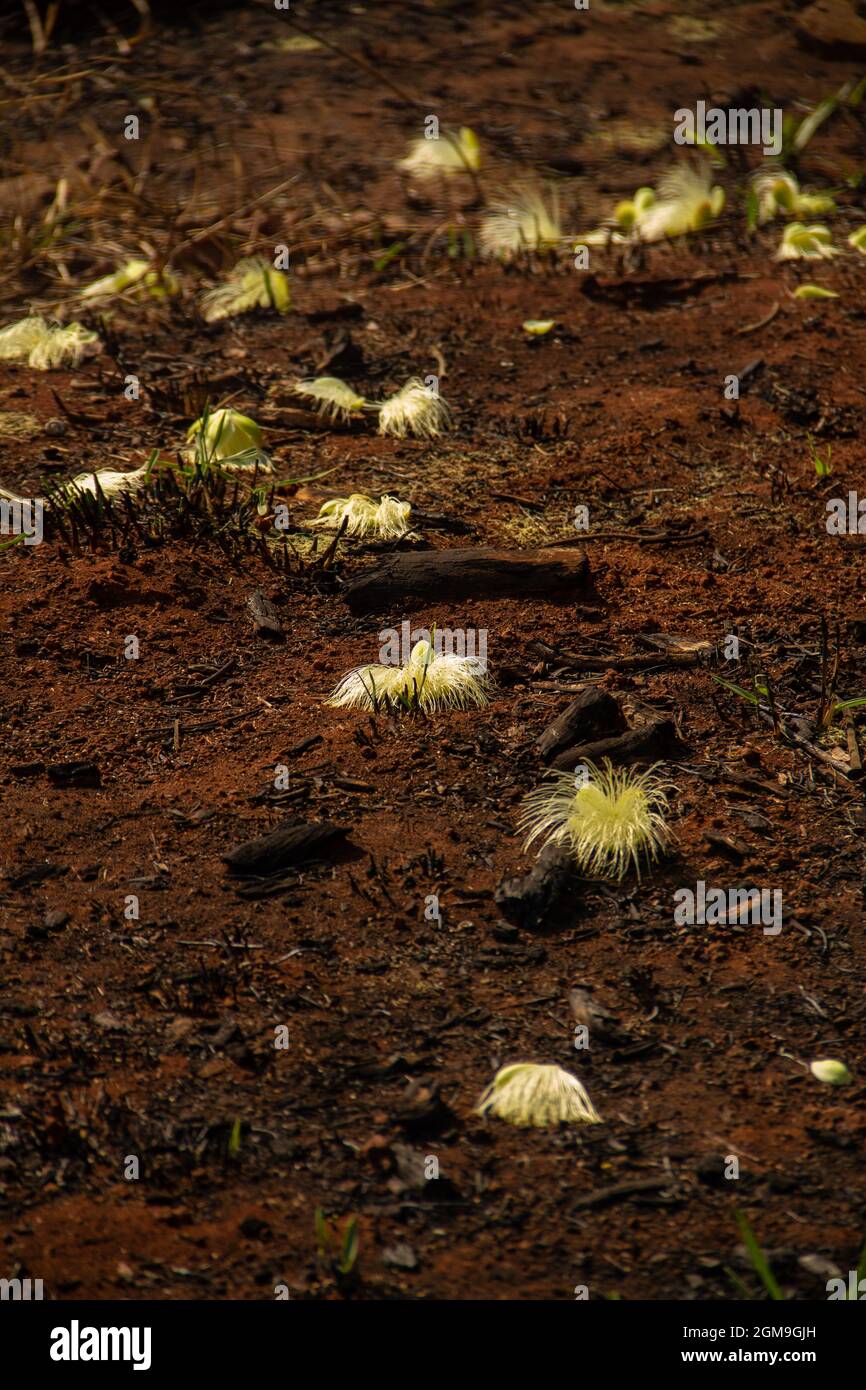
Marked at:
<point>294,842</point>
<point>529,900</point>
<point>656,740</point>
<point>555,575</point>
<point>594,712</point>
<point>74,774</point>
<point>439,521</point>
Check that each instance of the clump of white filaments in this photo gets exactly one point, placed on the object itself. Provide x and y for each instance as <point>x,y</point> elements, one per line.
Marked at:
<point>108,481</point>
<point>619,228</point>
<point>444,154</point>
<point>543,1096</point>
<point>520,222</point>
<point>43,345</point>
<point>778,193</point>
<point>332,398</point>
<point>386,520</point>
<point>253,284</point>
<point>806,243</point>
<point>136,275</point>
<point>686,201</point>
<point>608,820</point>
<point>416,410</point>
<point>429,681</point>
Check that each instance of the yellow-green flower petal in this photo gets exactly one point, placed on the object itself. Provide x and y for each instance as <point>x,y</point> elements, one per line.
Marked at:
<point>831,1072</point>
<point>814,292</point>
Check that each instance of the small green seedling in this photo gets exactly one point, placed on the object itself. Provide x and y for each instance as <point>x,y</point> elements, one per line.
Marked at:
<point>760,1264</point>
<point>343,1256</point>
<point>822,466</point>
<point>234,1145</point>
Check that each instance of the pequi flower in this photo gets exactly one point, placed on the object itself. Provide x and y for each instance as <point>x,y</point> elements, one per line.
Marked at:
<point>45,345</point>
<point>616,231</point>
<point>134,274</point>
<point>519,222</point>
<point>19,339</point>
<point>687,201</point>
<point>446,153</point>
<point>229,439</point>
<point>332,397</point>
<point>253,284</point>
<point>627,212</point>
<point>607,821</point>
<point>386,520</point>
<point>802,243</point>
<point>416,410</point>
<point>858,240</point>
<point>778,192</point>
<point>536,328</point>
<point>428,682</point>
<point>527,1093</point>
<point>602,236</point>
<point>108,481</point>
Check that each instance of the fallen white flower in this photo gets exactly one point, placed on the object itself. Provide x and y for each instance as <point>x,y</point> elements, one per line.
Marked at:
<point>111,483</point>
<point>333,398</point>
<point>831,1072</point>
<point>134,274</point>
<point>387,519</point>
<point>519,222</point>
<point>687,201</point>
<point>527,1093</point>
<point>445,154</point>
<point>802,243</point>
<point>44,345</point>
<point>427,681</point>
<point>253,284</point>
<point>416,409</point>
<point>228,439</point>
<point>778,192</point>
<point>607,821</point>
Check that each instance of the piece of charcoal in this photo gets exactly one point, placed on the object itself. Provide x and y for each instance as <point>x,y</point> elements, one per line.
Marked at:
<point>28,875</point>
<point>556,576</point>
<point>655,740</point>
<point>529,900</point>
<point>594,713</point>
<point>294,842</point>
<point>265,617</point>
<point>27,769</point>
<point>602,1024</point>
<point>75,774</point>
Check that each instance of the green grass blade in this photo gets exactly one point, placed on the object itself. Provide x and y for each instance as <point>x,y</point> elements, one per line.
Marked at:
<point>759,1259</point>
<point>737,690</point>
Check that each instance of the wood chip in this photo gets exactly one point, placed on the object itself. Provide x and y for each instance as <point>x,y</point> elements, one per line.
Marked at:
<point>265,617</point>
